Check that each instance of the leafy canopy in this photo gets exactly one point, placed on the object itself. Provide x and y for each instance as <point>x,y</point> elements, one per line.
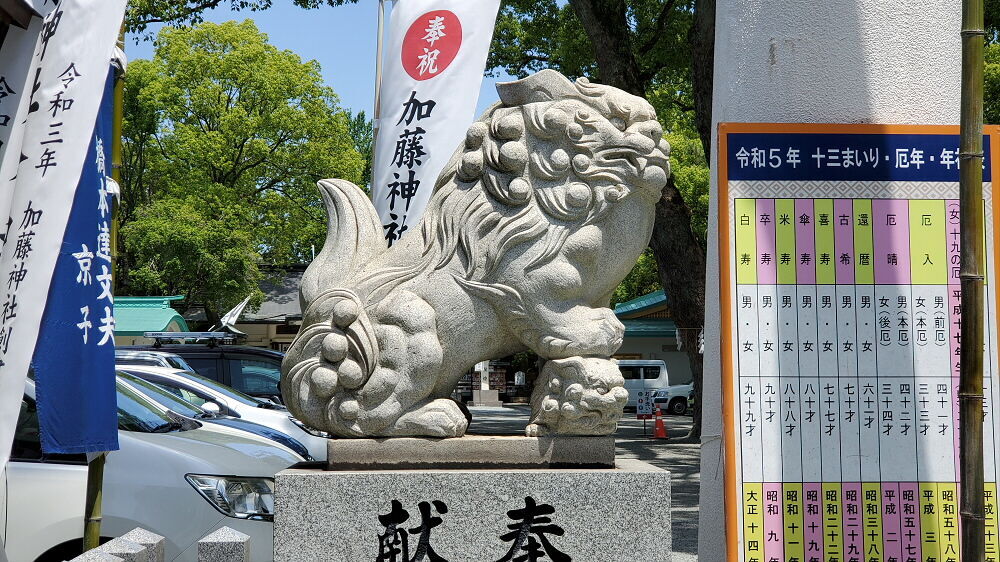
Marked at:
<point>227,133</point>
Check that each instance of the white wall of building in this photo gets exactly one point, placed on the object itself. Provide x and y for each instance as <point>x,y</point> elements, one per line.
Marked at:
<point>838,61</point>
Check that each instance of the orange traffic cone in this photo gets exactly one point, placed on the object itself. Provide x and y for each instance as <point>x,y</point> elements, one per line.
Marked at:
<point>659,430</point>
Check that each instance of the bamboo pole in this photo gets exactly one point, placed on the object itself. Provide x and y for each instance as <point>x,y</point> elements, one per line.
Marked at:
<point>93,512</point>
<point>970,394</point>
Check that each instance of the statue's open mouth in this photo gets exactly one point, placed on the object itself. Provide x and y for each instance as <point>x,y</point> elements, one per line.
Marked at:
<point>642,168</point>
<point>636,162</point>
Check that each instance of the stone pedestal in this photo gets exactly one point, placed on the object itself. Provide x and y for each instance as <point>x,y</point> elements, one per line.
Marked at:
<point>489,398</point>
<point>605,514</point>
<point>472,452</point>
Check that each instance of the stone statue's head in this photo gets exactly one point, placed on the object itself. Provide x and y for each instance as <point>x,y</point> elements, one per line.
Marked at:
<point>549,160</point>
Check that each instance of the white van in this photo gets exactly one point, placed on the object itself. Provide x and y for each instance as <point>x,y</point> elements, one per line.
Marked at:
<point>643,374</point>
<point>650,374</point>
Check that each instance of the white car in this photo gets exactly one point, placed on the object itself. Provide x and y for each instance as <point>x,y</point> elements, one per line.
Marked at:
<point>673,399</point>
<point>212,395</point>
<point>172,476</point>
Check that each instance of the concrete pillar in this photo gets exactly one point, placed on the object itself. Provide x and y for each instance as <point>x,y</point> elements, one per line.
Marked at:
<point>802,61</point>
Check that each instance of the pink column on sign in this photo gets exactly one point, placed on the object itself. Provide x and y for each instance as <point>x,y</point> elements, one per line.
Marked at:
<point>891,536</point>
<point>767,265</point>
<point>843,240</point>
<point>892,241</point>
<point>805,242</point>
<point>909,507</point>
<point>954,243</point>
<point>774,544</point>
<point>813,519</point>
<point>854,532</point>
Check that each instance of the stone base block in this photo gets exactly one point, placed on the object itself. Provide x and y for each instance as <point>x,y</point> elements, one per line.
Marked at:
<point>472,451</point>
<point>588,515</point>
<point>486,398</point>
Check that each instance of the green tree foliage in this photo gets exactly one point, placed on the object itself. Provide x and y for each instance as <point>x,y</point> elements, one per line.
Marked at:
<point>141,13</point>
<point>226,131</point>
<point>536,34</point>
<point>184,252</point>
<point>642,280</point>
<point>362,132</point>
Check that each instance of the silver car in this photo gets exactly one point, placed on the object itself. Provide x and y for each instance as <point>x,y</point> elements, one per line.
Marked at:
<point>175,477</point>
<point>214,396</point>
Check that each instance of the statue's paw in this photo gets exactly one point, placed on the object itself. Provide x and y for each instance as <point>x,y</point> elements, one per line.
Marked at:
<point>581,331</point>
<point>578,396</point>
<point>535,430</point>
<point>439,418</point>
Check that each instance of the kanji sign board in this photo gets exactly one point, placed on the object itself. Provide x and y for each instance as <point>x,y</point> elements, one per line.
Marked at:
<point>644,405</point>
<point>841,309</point>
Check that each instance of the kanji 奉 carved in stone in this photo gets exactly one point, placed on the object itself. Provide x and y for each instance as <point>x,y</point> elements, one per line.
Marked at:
<point>532,225</point>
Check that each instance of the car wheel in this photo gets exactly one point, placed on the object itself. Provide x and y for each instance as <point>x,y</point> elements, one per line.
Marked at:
<point>677,406</point>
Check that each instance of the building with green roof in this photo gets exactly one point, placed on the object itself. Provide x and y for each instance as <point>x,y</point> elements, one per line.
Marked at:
<point>650,333</point>
<point>136,315</point>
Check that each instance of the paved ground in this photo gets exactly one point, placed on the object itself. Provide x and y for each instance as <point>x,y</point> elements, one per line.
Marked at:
<point>676,455</point>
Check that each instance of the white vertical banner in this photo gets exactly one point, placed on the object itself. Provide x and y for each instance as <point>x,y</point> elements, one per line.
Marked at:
<point>433,66</point>
<point>15,66</point>
<point>65,82</point>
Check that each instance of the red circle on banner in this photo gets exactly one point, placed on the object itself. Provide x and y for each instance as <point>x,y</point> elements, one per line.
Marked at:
<point>431,43</point>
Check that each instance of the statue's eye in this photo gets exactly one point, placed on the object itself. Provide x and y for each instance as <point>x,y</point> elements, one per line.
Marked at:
<point>619,123</point>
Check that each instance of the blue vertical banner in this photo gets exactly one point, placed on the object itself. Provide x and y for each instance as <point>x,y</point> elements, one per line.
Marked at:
<point>74,360</point>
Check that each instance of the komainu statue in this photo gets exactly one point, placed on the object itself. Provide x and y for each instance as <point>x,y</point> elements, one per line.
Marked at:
<point>532,225</point>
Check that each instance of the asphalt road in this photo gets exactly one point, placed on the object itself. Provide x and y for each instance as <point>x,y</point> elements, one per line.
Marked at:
<point>677,455</point>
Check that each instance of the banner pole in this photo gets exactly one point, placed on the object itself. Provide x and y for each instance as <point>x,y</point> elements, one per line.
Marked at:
<point>970,393</point>
<point>93,511</point>
<point>378,81</point>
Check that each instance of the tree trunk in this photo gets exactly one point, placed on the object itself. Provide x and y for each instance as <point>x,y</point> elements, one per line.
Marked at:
<point>680,261</point>
<point>680,257</point>
<point>702,40</point>
<point>607,27</point>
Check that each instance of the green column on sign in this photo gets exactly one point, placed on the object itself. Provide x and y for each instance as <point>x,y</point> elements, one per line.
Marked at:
<point>928,245</point>
<point>826,257</point>
<point>746,241</point>
<point>784,240</point>
<point>864,248</point>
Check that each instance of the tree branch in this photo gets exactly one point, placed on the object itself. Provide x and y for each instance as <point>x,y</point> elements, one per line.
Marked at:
<point>183,14</point>
<point>661,23</point>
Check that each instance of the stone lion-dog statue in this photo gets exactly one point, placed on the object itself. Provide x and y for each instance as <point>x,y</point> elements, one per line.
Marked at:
<point>532,224</point>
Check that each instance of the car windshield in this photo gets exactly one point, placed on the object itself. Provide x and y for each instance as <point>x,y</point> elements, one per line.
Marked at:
<point>222,389</point>
<point>138,413</point>
<point>161,396</point>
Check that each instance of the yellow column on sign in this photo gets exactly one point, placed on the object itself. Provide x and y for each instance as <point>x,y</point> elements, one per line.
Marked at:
<point>872,506</point>
<point>784,240</point>
<point>864,247</point>
<point>928,242</point>
<point>826,255</point>
<point>793,521</point>
<point>948,521</point>
<point>992,538</point>
<point>930,546</point>
<point>833,530</point>
<point>753,521</point>
<point>746,241</point>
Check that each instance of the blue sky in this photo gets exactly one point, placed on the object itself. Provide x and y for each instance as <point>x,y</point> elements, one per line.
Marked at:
<point>341,39</point>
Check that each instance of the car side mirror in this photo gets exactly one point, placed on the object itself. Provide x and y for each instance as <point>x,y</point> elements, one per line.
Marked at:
<point>211,407</point>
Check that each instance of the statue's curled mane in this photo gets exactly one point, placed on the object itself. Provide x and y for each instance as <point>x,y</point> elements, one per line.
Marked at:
<point>510,197</point>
